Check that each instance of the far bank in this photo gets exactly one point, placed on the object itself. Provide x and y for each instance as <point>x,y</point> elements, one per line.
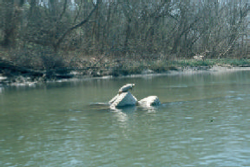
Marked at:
<point>12,74</point>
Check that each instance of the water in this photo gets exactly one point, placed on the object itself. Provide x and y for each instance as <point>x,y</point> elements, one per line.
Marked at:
<point>203,121</point>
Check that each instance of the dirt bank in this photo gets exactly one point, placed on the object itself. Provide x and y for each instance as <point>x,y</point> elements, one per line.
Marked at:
<point>10,75</point>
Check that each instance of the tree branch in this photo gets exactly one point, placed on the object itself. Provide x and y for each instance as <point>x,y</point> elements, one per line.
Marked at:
<point>57,44</point>
<point>64,10</point>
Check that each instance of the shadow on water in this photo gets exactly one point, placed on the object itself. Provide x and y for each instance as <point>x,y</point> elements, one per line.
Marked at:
<point>104,107</point>
<point>99,106</point>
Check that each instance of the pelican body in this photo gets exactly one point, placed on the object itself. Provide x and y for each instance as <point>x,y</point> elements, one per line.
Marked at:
<point>126,88</point>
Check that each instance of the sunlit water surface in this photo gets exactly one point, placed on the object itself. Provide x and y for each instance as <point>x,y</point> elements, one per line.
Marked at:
<point>203,121</point>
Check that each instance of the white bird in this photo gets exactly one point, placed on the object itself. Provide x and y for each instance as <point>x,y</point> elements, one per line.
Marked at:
<point>126,88</point>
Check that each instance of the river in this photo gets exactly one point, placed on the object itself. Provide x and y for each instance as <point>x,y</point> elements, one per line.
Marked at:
<point>203,121</point>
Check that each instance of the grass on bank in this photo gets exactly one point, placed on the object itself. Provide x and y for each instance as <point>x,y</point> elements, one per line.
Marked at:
<point>207,62</point>
<point>197,63</point>
<point>137,67</point>
<point>210,62</point>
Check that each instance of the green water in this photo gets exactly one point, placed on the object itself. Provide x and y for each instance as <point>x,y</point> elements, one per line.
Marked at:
<point>203,121</point>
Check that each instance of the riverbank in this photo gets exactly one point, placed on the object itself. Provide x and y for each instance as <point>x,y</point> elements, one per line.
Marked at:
<point>11,74</point>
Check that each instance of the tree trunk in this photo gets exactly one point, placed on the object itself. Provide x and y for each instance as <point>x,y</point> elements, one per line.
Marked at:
<point>8,29</point>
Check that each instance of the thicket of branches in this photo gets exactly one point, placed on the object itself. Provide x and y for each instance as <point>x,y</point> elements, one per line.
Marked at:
<point>50,29</point>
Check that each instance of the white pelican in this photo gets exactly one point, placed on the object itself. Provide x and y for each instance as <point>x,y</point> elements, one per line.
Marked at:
<point>126,88</point>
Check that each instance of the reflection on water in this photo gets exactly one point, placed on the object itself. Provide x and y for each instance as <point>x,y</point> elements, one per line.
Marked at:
<point>203,121</point>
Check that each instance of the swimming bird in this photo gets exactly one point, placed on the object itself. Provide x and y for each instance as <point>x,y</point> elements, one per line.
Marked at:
<point>126,88</point>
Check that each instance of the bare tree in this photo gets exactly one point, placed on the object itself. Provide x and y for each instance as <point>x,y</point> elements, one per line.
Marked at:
<point>145,28</point>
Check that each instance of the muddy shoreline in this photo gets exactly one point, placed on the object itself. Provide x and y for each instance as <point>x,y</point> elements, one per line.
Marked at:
<point>18,78</point>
